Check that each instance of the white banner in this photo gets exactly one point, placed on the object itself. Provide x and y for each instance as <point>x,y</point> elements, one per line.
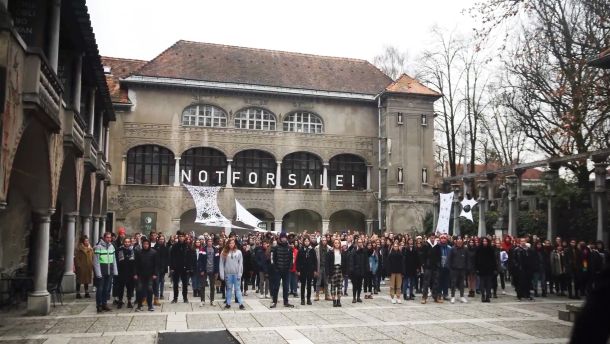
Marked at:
<point>244,216</point>
<point>444,213</point>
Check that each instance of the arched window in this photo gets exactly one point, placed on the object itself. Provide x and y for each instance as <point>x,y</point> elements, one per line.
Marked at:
<point>255,118</point>
<point>203,166</point>
<point>202,115</point>
<point>347,172</point>
<point>303,122</point>
<point>256,168</point>
<point>150,164</point>
<point>301,170</point>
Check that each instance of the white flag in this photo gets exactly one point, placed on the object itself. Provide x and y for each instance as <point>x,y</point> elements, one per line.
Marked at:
<point>444,213</point>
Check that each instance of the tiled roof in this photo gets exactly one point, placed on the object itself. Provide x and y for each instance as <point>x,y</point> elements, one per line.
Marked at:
<point>408,85</point>
<point>119,68</point>
<point>230,64</point>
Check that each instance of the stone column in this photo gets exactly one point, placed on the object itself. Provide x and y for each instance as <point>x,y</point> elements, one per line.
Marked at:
<point>550,178</point>
<point>325,176</point>
<point>87,229</point>
<point>78,76</point>
<point>435,207</point>
<point>491,190</point>
<point>368,177</point>
<point>68,283</point>
<point>278,175</point>
<point>95,232</point>
<point>457,208</point>
<point>325,226</point>
<point>229,183</point>
<point>369,226</point>
<point>101,135</point>
<point>54,20</point>
<point>92,111</point>
<point>177,175</point>
<point>601,198</point>
<point>519,173</point>
<point>106,143</point>
<point>102,225</point>
<point>513,209</point>
<point>468,186</point>
<point>39,300</point>
<point>277,225</point>
<point>482,186</point>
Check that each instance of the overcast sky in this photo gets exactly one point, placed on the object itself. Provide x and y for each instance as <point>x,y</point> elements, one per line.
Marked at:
<point>142,29</point>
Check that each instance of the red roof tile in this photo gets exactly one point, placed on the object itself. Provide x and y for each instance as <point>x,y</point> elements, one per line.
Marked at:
<point>230,64</point>
<point>408,85</point>
<point>119,68</point>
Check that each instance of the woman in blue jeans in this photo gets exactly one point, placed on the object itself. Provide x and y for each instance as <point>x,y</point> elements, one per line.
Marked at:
<point>231,270</point>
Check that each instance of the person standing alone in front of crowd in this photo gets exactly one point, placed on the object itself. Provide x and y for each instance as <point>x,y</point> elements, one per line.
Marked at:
<point>231,271</point>
<point>146,269</point>
<point>281,263</point>
<point>105,267</point>
<point>180,260</point>
<point>395,268</point>
<point>307,268</point>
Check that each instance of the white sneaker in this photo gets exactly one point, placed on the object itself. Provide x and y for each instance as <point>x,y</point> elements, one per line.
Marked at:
<point>382,283</point>
<point>503,292</point>
<point>452,300</point>
<point>393,301</point>
<point>463,299</point>
<point>202,304</point>
<point>399,300</point>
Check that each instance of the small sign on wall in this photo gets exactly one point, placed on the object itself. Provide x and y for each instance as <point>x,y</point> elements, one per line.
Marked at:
<point>148,222</point>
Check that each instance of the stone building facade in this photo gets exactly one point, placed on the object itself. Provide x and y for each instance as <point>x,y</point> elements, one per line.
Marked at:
<point>299,135</point>
<point>55,108</point>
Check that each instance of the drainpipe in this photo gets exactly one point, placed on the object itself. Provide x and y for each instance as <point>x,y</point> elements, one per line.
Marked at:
<point>379,161</point>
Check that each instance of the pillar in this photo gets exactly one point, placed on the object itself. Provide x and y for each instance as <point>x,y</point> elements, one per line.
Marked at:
<point>54,20</point>
<point>482,186</point>
<point>457,208</point>
<point>491,190</point>
<point>39,300</point>
<point>519,173</point>
<point>277,227</point>
<point>513,209</point>
<point>229,174</point>
<point>499,225</point>
<point>369,226</point>
<point>68,284</point>
<point>468,186</point>
<point>278,177</point>
<point>177,171</point>
<point>106,143</point>
<point>87,229</point>
<point>325,226</point>
<point>101,136</point>
<point>368,177</point>
<point>102,225</point>
<point>91,111</point>
<point>95,232</point>
<point>601,198</point>
<point>78,76</point>
<point>325,176</point>
<point>435,207</point>
<point>550,178</point>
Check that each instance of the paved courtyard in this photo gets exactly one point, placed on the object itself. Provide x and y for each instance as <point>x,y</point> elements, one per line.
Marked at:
<point>374,321</point>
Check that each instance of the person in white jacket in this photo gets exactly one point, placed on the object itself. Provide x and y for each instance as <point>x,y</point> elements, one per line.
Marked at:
<point>231,270</point>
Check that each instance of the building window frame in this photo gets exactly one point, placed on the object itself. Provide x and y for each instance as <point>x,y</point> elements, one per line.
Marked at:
<point>399,118</point>
<point>255,118</point>
<point>303,122</point>
<point>302,164</point>
<point>257,161</point>
<point>204,115</point>
<point>210,159</point>
<point>424,120</point>
<point>347,165</point>
<point>150,165</point>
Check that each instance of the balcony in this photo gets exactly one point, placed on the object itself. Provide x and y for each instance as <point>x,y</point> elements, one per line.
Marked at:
<point>74,132</point>
<point>90,153</point>
<point>42,90</point>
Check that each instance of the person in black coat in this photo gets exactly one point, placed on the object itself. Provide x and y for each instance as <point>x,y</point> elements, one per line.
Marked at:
<point>485,264</point>
<point>524,266</point>
<point>431,264</point>
<point>307,268</point>
<point>208,268</point>
<point>358,268</point>
<point>262,259</point>
<point>336,267</point>
<point>180,264</point>
<point>248,268</point>
<point>147,267</point>
<point>126,265</point>
<point>412,266</point>
<point>281,263</point>
<point>163,251</point>
<point>395,267</point>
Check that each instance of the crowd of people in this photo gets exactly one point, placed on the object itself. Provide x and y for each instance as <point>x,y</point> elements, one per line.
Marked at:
<point>133,269</point>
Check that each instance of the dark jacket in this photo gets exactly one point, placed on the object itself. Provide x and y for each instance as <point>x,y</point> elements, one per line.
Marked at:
<point>525,260</point>
<point>180,257</point>
<point>330,262</point>
<point>147,263</point>
<point>261,259</point>
<point>163,251</point>
<point>472,250</point>
<point>307,261</point>
<point>431,256</point>
<point>394,264</point>
<point>358,262</point>
<point>458,258</point>
<point>485,261</point>
<point>126,262</point>
<point>248,262</point>
<point>202,262</point>
<point>411,263</point>
<point>281,257</point>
